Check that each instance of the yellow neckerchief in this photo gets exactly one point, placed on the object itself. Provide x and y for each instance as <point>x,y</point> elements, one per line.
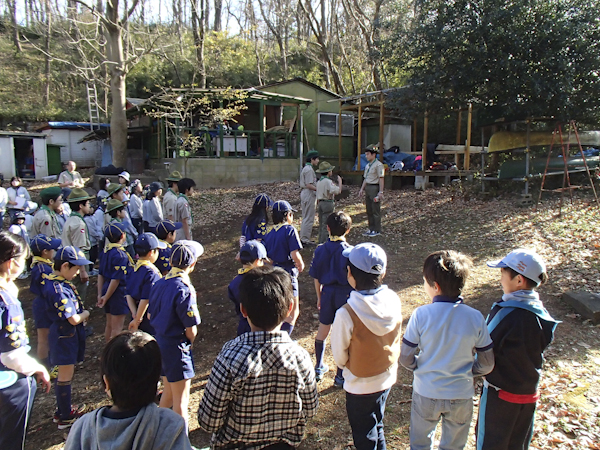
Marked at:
<point>39,259</point>
<point>243,270</point>
<point>60,278</point>
<point>168,245</point>
<point>177,272</point>
<point>145,262</point>
<point>337,238</point>
<point>111,245</point>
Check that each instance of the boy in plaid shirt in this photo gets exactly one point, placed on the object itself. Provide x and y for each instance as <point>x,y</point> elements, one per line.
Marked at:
<point>262,387</point>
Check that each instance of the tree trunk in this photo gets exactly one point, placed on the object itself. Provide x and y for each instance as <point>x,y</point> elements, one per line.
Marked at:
<point>118,120</point>
<point>47,50</point>
<point>218,14</point>
<point>198,32</point>
<point>12,8</point>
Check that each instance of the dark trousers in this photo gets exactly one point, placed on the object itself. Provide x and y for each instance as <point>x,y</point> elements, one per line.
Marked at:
<point>138,224</point>
<point>325,209</point>
<point>502,425</point>
<point>373,207</point>
<point>365,414</point>
<point>15,405</point>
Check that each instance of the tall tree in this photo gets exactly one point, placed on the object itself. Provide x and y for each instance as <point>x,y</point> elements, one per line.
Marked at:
<point>12,10</point>
<point>198,30</point>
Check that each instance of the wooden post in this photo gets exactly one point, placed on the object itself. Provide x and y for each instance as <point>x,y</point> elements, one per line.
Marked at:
<point>340,138</point>
<point>458,124</point>
<point>359,137</point>
<point>468,144</point>
<point>424,149</point>
<point>261,120</point>
<point>381,125</point>
<point>414,132</point>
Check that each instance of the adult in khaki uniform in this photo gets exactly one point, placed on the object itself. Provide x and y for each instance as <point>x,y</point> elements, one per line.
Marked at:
<point>373,188</point>
<point>308,196</point>
<point>45,220</point>
<point>326,191</point>
<point>183,209</point>
<point>170,197</point>
<point>76,233</point>
<point>70,179</point>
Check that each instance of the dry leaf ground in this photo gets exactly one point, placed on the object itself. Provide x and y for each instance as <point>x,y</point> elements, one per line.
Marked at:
<point>415,224</point>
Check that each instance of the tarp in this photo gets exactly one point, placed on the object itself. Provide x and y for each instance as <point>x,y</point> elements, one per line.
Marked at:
<point>389,158</point>
<point>510,140</point>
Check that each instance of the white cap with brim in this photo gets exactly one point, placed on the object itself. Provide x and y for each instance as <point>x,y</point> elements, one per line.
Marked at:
<point>523,261</point>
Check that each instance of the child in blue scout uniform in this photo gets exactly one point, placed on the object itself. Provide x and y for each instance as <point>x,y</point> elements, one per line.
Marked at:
<point>67,334</point>
<point>252,254</point>
<point>165,232</point>
<point>283,248</point>
<point>255,225</point>
<point>114,266</point>
<point>173,313</point>
<point>18,370</point>
<point>329,269</point>
<point>521,329</point>
<point>141,279</point>
<point>43,249</point>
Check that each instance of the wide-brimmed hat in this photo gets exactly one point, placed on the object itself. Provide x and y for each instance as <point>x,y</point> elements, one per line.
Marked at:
<point>113,187</point>
<point>174,176</point>
<point>113,204</point>
<point>125,175</point>
<point>325,167</point>
<point>78,195</point>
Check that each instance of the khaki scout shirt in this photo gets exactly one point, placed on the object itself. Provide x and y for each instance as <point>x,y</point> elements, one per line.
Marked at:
<point>73,178</point>
<point>326,189</point>
<point>373,172</point>
<point>169,202</point>
<point>307,176</point>
<point>45,222</point>
<point>75,233</point>
<point>183,213</point>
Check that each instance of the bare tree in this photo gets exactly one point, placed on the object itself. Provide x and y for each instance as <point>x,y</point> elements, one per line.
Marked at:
<point>198,30</point>
<point>278,16</point>
<point>218,15</point>
<point>12,9</point>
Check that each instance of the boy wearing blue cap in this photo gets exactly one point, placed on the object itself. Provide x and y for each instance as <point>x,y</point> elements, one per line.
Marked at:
<point>165,232</point>
<point>330,273</point>
<point>252,254</point>
<point>67,334</point>
<point>283,248</point>
<point>141,279</point>
<point>521,329</point>
<point>365,341</point>
<point>448,334</point>
<point>43,249</point>
<point>173,313</point>
<point>114,266</point>
<point>261,389</point>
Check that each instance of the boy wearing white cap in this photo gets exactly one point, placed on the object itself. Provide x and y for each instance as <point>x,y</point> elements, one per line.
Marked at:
<point>521,329</point>
<point>365,341</point>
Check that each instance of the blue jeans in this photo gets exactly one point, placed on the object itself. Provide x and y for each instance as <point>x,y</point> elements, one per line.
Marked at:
<point>365,414</point>
<point>427,412</point>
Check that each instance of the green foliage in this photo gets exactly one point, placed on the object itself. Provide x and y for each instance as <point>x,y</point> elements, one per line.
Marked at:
<point>521,58</point>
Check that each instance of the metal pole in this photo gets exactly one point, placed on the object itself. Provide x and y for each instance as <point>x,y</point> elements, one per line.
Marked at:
<point>527,159</point>
<point>359,136</point>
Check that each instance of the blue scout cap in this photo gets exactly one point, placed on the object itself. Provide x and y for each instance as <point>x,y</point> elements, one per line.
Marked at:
<point>147,241</point>
<point>43,242</point>
<point>168,226</point>
<point>155,186</point>
<point>73,255</point>
<point>114,229</point>
<point>252,250</point>
<point>367,257</point>
<point>185,252</point>
<point>282,206</point>
<point>524,261</point>
<point>263,200</point>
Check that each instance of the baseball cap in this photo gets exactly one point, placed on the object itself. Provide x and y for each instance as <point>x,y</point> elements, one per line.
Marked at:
<point>372,149</point>
<point>43,242</point>
<point>524,261</point>
<point>282,206</point>
<point>168,226</point>
<point>114,230</point>
<point>263,200</point>
<point>312,154</point>
<point>125,175</point>
<point>147,241</point>
<point>51,193</point>
<point>155,186</point>
<point>367,257</point>
<point>18,215</point>
<point>252,250</point>
<point>185,252</point>
<point>113,204</point>
<point>73,255</point>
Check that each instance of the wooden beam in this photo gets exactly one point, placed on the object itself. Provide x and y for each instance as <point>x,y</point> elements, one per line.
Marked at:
<point>381,125</point>
<point>468,144</point>
<point>424,149</point>
<point>340,140</point>
<point>458,124</point>
<point>414,133</point>
<point>359,137</point>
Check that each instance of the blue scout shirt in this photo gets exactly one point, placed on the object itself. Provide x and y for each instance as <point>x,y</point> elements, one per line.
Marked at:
<point>141,279</point>
<point>329,266</point>
<point>13,334</point>
<point>115,265</point>
<point>280,242</point>
<point>256,230</point>
<point>39,268</point>
<point>63,302</point>
<point>233,291</point>
<point>173,306</point>
<point>164,256</point>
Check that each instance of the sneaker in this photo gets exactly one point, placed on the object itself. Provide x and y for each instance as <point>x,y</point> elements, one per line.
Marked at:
<point>89,330</point>
<point>374,233</point>
<point>367,233</point>
<point>76,413</point>
<point>94,273</point>
<point>308,243</point>
<point>321,371</point>
<point>53,372</point>
<point>338,382</point>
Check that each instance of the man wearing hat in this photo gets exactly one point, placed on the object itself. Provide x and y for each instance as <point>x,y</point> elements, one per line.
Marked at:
<point>45,220</point>
<point>326,191</point>
<point>308,196</point>
<point>170,197</point>
<point>373,188</point>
